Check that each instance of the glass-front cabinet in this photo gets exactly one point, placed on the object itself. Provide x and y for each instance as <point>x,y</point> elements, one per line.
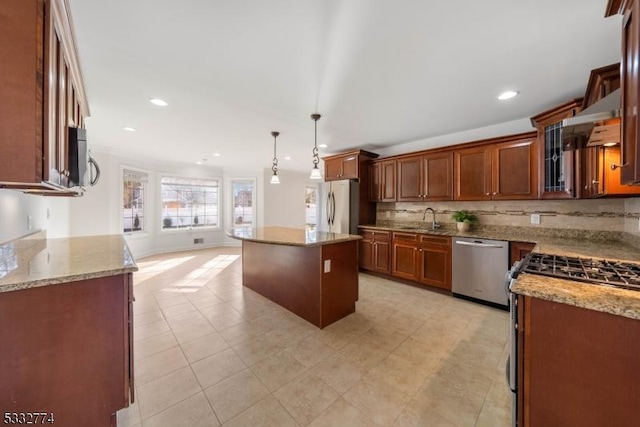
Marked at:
<point>558,165</point>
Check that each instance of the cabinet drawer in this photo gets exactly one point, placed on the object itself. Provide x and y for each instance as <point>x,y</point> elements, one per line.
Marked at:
<point>435,240</point>
<point>412,237</point>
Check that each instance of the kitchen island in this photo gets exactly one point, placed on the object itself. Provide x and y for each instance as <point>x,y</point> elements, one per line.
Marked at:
<point>311,273</point>
<point>66,329</point>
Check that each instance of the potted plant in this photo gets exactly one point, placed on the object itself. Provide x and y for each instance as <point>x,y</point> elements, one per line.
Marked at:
<point>464,220</point>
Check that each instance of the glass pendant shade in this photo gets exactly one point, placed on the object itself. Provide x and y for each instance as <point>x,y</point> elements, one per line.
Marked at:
<point>315,173</point>
<point>275,179</point>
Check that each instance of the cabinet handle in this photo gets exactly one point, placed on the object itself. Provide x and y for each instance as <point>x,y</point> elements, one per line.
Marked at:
<point>65,172</point>
<point>595,182</point>
<point>568,191</point>
<point>494,193</point>
<point>614,167</point>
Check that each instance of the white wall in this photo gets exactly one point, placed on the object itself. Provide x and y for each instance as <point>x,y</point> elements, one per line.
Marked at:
<point>284,203</point>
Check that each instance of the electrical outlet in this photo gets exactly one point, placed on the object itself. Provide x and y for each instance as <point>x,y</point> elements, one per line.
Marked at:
<point>535,219</point>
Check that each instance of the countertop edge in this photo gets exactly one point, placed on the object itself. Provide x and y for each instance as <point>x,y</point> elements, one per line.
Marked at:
<point>39,283</point>
<point>346,238</point>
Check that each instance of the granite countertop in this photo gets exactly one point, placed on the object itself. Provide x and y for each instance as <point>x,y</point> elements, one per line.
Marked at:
<point>289,236</point>
<point>572,243</point>
<point>36,261</point>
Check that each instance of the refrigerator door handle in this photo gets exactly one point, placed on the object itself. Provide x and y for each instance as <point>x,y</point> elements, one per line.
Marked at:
<point>328,208</point>
<point>333,207</point>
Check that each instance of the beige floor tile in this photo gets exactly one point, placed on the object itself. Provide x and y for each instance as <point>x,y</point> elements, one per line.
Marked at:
<point>266,413</point>
<point>289,336</point>
<point>310,351</point>
<point>141,307</point>
<point>364,355</point>
<point>235,394</point>
<point>225,320</point>
<point>166,391</point>
<point>420,353</point>
<point>306,397</point>
<point>382,336</point>
<point>192,331</point>
<point>185,319</point>
<point>130,416</point>
<point>159,365</point>
<point>450,401</point>
<point>415,415</point>
<point>153,345</point>
<point>149,330</point>
<point>254,350</point>
<point>192,412</point>
<point>202,347</point>
<point>401,374</point>
<point>147,317</point>
<point>341,413</point>
<point>166,300</point>
<point>380,401</point>
<point>403,322</point>
<point>339,372</point>
<point>176,310</point>
<point>244,331</point>
<point>277,370</point>
<point>218,367</point>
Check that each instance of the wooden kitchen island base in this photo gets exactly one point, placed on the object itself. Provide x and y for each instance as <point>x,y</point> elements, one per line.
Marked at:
<point>317,281</point>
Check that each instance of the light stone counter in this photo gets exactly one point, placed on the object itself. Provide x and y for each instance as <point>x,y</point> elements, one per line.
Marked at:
<point>289,236</point>
<point>36,261</point>
<point>572,243</point>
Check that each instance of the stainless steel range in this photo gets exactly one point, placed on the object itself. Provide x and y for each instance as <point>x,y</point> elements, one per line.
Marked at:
<point>591,271</point>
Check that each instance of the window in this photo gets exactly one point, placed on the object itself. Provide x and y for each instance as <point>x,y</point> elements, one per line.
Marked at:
<point>311,216</point>
<point>133,203</point>
<point>189,202</point>
<point>242,191</point>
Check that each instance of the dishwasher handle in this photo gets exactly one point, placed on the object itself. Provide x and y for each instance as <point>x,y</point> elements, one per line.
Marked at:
<point>479,245</point>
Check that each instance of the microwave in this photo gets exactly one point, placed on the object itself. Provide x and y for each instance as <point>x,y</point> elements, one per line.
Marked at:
<point>83,169</point>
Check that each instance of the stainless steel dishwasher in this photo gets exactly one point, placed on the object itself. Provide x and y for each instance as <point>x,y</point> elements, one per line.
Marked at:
<point>479,267</point>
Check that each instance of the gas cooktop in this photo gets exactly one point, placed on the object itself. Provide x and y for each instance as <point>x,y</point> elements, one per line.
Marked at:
<point>601,272</point>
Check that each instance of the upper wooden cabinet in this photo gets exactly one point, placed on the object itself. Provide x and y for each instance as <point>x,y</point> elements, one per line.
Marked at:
<point>425,177</point>
<point>557,160</point>
<point>630,140</point>
<point>383,181</point>
<point>350,165</point>
<point>598,178</point>
<point>504,168</point>
<point>43,95</point>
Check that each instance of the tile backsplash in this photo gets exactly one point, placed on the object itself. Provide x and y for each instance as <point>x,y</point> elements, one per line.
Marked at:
<point>617,215</point>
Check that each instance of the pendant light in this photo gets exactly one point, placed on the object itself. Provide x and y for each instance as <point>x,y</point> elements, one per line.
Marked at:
<point>274,167</point>
<point>315,172</point>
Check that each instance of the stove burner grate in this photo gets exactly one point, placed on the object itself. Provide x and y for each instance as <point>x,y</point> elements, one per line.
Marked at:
<point>602,272</point>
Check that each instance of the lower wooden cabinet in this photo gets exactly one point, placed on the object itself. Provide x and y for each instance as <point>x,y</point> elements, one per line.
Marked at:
<point>68,349</point>
<point>375,251</point>
<point>572,370</point>
<point>422,258</point>
<point>518,250</point>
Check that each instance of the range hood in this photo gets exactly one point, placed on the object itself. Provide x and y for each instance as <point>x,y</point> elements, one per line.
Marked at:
<point>599,124</point>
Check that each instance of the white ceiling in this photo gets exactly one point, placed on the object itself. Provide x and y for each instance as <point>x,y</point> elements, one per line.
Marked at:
<point>381,72</point>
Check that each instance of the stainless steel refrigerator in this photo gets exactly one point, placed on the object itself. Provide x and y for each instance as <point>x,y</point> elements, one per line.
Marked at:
<point>339,206</point>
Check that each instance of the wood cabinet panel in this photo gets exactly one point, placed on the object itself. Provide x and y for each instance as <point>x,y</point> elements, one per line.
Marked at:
<point>351,165</point>
<point>46,92</point>
<point>518,250</point>
<point>332,169</point>
<point>405,259</point>
<point>375,251</point>
<point>473,173</point>
<point>437,176</point>
<point>409,179</point>
<point>382,256</point>
<point>68,343</point>
<point>630,166</point>
<point>514,173</point>
<point>383,181</point>
<point>567,380</point>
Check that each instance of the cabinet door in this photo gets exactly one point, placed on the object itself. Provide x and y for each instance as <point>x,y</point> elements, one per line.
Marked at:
<point>388,181</point>
<point>409,179</point>
<point>611,178</point>
<point>382,258</point>
<point>514,170</point>
<point>473,173</point>
<point>435,266</point>
<point>630,157</point>
<point>349,167</point>
<point>437,176</point>
<point>404,256</point>
<point>375,182</point>
<point>557,169</point>
<point>332,169</point>
<point>366,252</point>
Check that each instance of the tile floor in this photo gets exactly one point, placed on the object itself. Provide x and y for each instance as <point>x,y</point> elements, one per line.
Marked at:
<point>209,352</point>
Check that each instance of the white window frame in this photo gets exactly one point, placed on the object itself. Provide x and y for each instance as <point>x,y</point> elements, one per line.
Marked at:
<point>230,203</point>
<point>189,228</point>
<point>145,200</point>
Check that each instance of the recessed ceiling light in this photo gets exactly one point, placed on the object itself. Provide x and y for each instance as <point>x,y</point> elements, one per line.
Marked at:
<point>216,154</point>
<point>323,145</point>
<point>507,95</point>
<point>198,163</point>
<point>129,129</point>
<point>159,102</point>
<point>287,158</point>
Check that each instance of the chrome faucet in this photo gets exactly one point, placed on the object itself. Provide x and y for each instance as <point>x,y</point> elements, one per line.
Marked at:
<point>434,224</point>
